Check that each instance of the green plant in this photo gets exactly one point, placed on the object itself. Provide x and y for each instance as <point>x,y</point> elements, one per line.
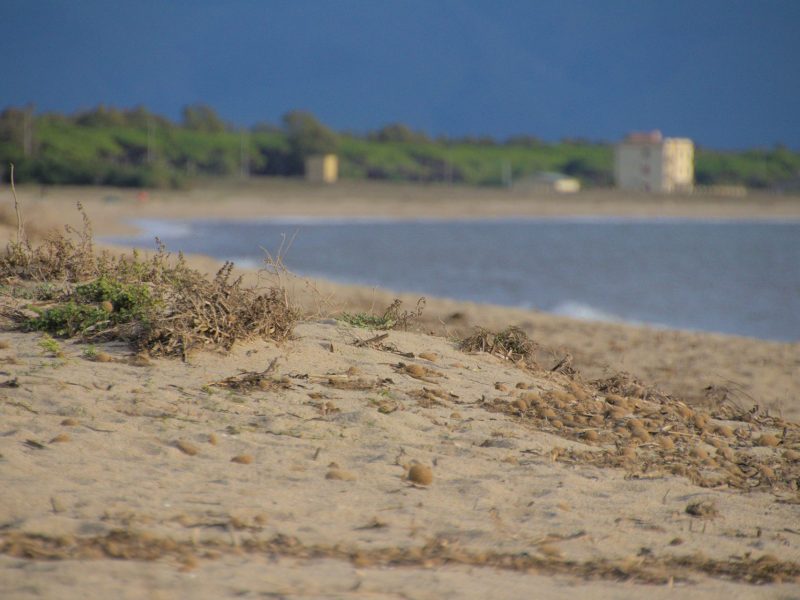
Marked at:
<point>51,346</point>
<point>390,319</point>
<point>67,319</point>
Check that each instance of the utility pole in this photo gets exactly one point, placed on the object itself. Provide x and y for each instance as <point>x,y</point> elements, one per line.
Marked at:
<point>506,174</point>
<point>27,131</point>
<point>150,133</point>
<point>244,155</point>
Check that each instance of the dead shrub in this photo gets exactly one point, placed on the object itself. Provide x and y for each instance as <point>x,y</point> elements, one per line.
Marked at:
<point>511,344</point>
<point>158,304</point>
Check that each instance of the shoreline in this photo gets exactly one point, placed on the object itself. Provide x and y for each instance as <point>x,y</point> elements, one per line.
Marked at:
<point>684,363</point>
<point>283,198</point>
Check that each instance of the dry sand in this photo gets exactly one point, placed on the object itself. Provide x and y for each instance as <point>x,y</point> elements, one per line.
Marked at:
<point>118,478</point>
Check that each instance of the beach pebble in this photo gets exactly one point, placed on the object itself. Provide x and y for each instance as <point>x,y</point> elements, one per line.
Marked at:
<point>140,360</point>
<point>212,439</point>
<point>429,356</point>
<point>61,437</point>
<point>340,475</point>
<point>420,474</point>
<point>769,440</point>
<point>704,509</point>
<point>724,431</point>
<point>103,357</point>
<point>520,404</point>
<point>242,459</point>
<point>725,452</point>
<point>547,413</point>
<point>57,504</point>
<point>617,400</point>
<point>415,370</point>
<point>70,422</point>
<point>792,455</point>
<point>617,412</point>
<point>186,447</point>
<point>666,442</point>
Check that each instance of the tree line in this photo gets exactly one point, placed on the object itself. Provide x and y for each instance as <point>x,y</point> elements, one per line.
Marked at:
<point>137,148</point>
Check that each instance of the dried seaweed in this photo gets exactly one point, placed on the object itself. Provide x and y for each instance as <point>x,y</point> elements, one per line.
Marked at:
<point>511,344</point>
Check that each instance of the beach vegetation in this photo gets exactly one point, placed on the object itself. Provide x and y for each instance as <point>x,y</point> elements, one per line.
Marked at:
<point>155,303</point>
<point>137,148</point>
<point>51,346</point>
<point>511,344</point>
<point>391,318</point>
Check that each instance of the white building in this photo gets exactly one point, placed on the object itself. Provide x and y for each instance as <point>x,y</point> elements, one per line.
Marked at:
<point>549,182</point>
<point>649,162</point>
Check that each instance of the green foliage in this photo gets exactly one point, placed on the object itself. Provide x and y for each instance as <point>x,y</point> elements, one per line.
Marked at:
<point>200,117</point>
<point>51,346</point>
<point>390,319</point>
<point>397,132</point>
<point>68,319</point>
<point>306,136</point>
<point>751,168</point>
<point>368,321</point>
<point>135,148</point>
<point>107,301</point>
<point>128,300</point>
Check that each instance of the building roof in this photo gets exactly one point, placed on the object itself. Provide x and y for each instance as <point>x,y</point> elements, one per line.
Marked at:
<point>644,137</point>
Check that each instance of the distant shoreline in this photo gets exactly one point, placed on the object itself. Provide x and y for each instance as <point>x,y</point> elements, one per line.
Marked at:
<point>112,209</point>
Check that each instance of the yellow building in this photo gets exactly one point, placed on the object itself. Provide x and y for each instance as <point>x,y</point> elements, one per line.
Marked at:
<point>322,168</point>
<point>649,162</point>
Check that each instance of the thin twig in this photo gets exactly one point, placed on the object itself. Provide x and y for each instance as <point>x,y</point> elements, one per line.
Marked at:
<point>16,207</point>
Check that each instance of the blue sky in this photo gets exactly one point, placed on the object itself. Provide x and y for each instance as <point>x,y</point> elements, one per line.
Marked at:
<point>723,72</point>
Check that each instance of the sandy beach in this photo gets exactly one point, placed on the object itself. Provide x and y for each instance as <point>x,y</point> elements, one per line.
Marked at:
<point>621,461</point>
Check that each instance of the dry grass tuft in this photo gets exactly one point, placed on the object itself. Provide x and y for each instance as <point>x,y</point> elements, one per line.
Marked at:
<point>158,305</point>
<point>511,344</point>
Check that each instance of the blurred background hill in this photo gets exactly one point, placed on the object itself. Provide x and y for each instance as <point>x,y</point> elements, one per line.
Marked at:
<point>136,148</point>
<point>464,91</point>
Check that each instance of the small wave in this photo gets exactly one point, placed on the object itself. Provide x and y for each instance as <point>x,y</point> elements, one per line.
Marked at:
<point>162,229</point>
<point>586,312</point>
<point>246,262</point>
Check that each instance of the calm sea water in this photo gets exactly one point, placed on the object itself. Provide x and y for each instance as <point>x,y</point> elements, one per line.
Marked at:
<point>731,277</point>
